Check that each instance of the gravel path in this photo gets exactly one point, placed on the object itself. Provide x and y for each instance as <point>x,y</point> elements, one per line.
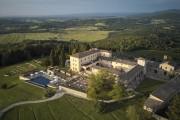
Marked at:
<point>56,96</point>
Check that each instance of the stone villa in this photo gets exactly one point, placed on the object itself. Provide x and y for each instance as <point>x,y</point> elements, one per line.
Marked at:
<point>80,60</point>
<point>130,73</point>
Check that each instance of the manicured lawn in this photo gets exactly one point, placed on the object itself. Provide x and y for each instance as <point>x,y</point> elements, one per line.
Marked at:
<point>80,35</point>
<point>149,85</point>
<point>72,108</point>
<point>18,90</point>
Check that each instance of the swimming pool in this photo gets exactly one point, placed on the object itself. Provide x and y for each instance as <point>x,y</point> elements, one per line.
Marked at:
<point>41,81</point>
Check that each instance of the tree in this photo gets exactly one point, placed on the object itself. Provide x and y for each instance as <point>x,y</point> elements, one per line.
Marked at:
<point>62,57</point>
<point>174,108</point>
<point>51,58</point>
<point>102,86</point>
<point>74,51</point>
<point>57,56</point>
<point>46,62</point>
<point>50,92</point>
<point>118,91</point>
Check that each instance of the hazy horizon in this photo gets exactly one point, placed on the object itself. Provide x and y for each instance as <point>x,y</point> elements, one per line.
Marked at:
<point>24,8</point>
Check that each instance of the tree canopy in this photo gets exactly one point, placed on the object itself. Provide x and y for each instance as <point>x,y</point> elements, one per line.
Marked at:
<point>174,108</point>
<point>103,86</point>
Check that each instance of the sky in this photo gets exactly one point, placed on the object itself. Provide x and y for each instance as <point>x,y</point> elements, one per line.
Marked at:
<point>65,7</point>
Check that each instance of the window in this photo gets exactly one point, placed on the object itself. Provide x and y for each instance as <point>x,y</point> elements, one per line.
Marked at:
<point>165,73</point>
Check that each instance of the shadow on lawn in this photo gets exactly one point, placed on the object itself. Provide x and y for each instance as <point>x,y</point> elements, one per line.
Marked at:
<point>12,86</point>
<point>6,86</point>
<point>110,107</point>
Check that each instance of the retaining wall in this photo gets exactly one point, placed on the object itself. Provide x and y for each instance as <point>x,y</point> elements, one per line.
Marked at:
<point>74,92</point>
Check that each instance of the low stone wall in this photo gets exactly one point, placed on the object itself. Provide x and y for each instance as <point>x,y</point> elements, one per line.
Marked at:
<point>84,95</point>
<point>158,117</point>
<point>23,78</point>
<point>74,92</point>
<point>35,85</point>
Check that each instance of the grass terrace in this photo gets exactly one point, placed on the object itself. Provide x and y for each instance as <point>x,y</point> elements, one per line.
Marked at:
<point>14,90</point>
<point>72,108</point>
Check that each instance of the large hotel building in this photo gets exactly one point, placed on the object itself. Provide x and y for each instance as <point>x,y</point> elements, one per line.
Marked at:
<point>130,73</point>
<point>82,58</point>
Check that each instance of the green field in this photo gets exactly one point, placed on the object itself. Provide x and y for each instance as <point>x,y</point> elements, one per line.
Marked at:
<point>157,54</point>
<point>148,85</point>
<point>80,35</point>
<point>18,90</point>
<point>84,36</point>
<point>89,28</point>
<point>72,108</point>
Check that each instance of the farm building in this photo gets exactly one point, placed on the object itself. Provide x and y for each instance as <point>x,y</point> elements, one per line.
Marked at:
<point>160,98</point>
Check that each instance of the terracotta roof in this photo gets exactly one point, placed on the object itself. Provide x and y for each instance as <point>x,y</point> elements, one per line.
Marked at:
<point>131,73</point>
<point>166,91</point>
<point>85,53</point>
<point>89,52</point>
<point>112,70</point>
<point>125,61</point>
<point>152,103</point>
<point>105,51</point>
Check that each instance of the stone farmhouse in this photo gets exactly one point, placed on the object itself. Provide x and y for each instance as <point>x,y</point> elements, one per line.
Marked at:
<point>168,66</point>
<point>160,98</point>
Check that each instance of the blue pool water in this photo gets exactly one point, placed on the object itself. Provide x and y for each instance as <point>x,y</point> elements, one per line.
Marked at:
<point>41,81</point>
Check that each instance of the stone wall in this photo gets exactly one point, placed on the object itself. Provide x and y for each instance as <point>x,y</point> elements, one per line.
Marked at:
<point>23,78</point>
<point>154,72</point>
<point>74,92</point>
<point>158,117</point>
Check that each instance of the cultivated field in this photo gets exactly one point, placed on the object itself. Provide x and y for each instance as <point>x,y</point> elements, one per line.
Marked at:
<point>90,28</point>
<point>84,36</point>
<point>16,89</point>
<point>80,35</point>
